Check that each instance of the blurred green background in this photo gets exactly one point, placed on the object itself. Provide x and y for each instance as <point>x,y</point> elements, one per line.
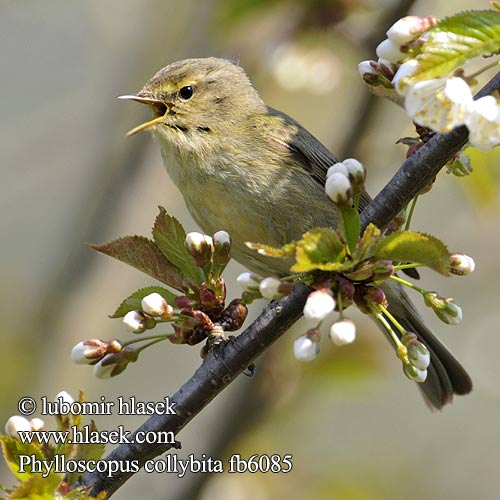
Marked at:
<point>356,427</point>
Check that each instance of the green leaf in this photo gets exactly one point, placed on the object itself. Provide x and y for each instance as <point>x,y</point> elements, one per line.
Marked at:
<point>133,302</point>
<point>349,225</point>
<point>287,250</point>
<point>408,246</point>
<point>144,255</point>
<point>169,236</point>
<point>455,40</point>
<point>12,448</point>
<point>38,487</point>
<point>367,242</point>
<point>85,452</point>
<point>321,249</point>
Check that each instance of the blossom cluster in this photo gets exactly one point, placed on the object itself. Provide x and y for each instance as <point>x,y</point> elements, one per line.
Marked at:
<point>343,179</point>
<point>440,103</point>
<point>18,423</point>
<point>200,314</point>
<point>360,279</point>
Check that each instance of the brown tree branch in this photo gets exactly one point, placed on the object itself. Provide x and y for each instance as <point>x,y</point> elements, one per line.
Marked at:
<point>223,365</point>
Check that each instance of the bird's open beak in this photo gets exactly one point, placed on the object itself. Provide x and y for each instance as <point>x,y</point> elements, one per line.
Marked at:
<point>159,108</point>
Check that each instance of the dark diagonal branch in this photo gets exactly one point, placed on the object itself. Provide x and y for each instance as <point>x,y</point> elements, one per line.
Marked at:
<point>222,366</point>
<point>418,170</point>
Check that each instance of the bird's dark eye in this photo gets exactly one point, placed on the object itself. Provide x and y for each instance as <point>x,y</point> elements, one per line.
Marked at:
<point>186,92</point>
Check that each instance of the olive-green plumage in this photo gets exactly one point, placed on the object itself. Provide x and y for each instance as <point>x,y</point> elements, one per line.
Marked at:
<point>255,172</point>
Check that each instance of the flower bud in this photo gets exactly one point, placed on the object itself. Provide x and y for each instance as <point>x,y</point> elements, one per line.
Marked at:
<point>346,288</point>
<point>343,332</point>
<point>417,353</point>
<point>408,28</point>
<point>461,264</point>
<point>87,351</point>
<point>339,189</point>
<point>15,424</point>
<point>135,321</point>
<point>445,308</point>
<point>355,170</point>
<point>389,51</point>
<point>382,270</point>
<point>386,68</point>
<point>248,281</point>
<point>200,246</point>
<point>403,72</point>
<point>65,397</point>
<point>318,305</point>
<point>270,288</point>
<point>367,68</point>
<point>222,247</point>
<point>233,316</point>
<point>114,363</point>
<point>414,373</point>
<point>103,372</point>
<point>155,305</point>
<point>306,347</point>
<point>37,424</point>
<point>337,168</point>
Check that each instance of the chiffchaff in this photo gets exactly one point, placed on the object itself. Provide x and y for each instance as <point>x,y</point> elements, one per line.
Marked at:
<point>255,172</point>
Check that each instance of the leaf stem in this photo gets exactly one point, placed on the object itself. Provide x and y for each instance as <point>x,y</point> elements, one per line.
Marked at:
<point>157,338</point>
<point>392,319</point>
<point>408,284</point>
<point>410,214</point>
<point>408,266</point>
<point>401,350</point>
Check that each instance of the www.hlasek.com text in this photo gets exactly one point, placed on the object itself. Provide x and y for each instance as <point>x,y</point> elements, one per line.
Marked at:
<point>87,435</point>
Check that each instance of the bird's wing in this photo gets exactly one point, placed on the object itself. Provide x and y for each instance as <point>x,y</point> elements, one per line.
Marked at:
<point>307,151</point>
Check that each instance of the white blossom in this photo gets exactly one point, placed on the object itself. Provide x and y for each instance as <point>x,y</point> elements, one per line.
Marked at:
<point>248,281</point>
<point>440,104</point>
<point>37,424</point>
<point>134,321</point>
<point>404,71</point>
<point>15,424</point>
<point>355,169</point>
<point>269,288</point>
<point>195,239</point>
<point>305,349</point>
<point>446,309</point>
<point>367,68</point>
<point>483,122</point>
<point>414,373</point>
<point>419,355</point>
<point>65,396</point>
<point>408,28</point>
<point>222,238</point>
<point>79,353</point>
<point>389,51</point>
<point>200,246</point>
<point>338,188</point>
<point>451,314</point>
<point>343,332</point>
<point>337,168</point>
<point>154,304</point>
<point>318,305</point>
<point>103,371</point>
<point>462,264</point>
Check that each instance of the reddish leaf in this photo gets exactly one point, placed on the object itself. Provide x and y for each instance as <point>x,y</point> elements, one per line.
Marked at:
<point>143,254</point>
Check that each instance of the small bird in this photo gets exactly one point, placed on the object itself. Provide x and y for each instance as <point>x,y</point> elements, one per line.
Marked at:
<point>253,171</point>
